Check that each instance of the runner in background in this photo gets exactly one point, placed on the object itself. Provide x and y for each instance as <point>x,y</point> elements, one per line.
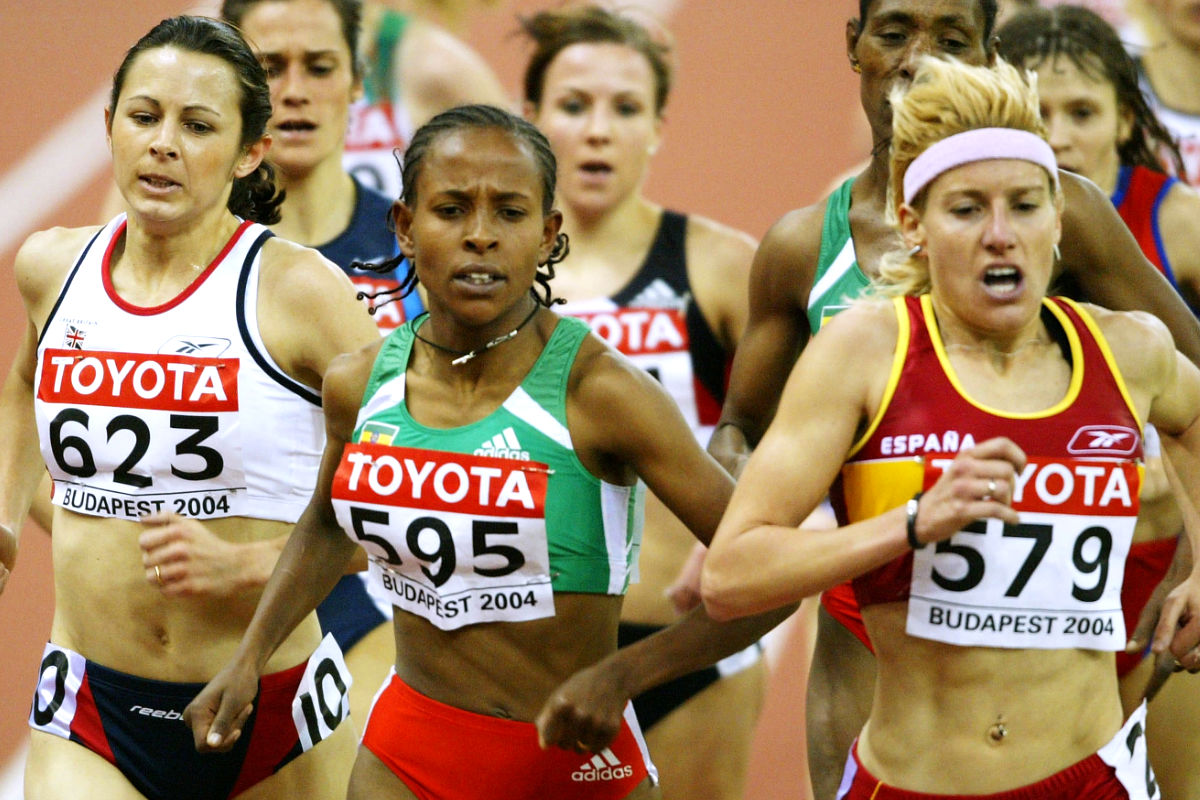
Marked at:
<point>1170,71</point>
<point>414,68</point>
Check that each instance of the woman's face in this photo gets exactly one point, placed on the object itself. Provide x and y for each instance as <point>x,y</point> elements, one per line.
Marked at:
<point>896,33</point>
<point>476,231</point>
<point>311,75</point>
<point>598,112</point>
<point>988,231</point>
<point>1085,124</point>
<point>175,135</point>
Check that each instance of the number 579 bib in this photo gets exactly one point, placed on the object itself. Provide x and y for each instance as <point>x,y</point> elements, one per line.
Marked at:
<point>457,539</point>
<point>1052,581</point>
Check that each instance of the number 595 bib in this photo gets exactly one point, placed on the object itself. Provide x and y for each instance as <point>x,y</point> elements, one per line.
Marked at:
<point>1052,581</point>
<point>457,539</point>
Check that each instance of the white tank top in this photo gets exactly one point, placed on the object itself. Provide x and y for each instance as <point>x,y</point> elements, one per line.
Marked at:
<point>177,407</point>
<point>1183,126</point>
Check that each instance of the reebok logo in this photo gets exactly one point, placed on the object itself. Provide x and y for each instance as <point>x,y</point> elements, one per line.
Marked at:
<point>157,713</point>
<point>1108,439</point>
<point>503,445</point>
<point>604,766</point>
<point>208,346</point>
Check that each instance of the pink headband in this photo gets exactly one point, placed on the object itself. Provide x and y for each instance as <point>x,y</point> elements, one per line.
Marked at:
<point>980,144</point>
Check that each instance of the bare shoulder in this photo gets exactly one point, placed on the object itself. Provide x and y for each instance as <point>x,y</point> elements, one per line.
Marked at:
<point>717,246</point>
<point>1078,192</point>
<point>786,260</point>
<point>440,71</point>
<point>308,311</point>
<point>43,261</point>
<point>867,330</point>
<point>797,234</point>
<point>1178,215</point>
<point>601,378</point>
<point>344,386</point>
<point>292,274</point>
<point>1141,344</point>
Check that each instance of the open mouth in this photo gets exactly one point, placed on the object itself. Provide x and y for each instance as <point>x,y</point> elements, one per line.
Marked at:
<point>478,278</point>
<point>1002,280</point>
<point>596,168</point>
<point>157,181</point>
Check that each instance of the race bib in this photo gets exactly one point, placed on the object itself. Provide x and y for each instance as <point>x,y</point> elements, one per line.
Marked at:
<point>371,143</point>
<point>322,700</point>
<point>1126,754</point>
<point>127,434</point>
<point>457,539</point>
<point>656,340</point>
<point>1052,581</point>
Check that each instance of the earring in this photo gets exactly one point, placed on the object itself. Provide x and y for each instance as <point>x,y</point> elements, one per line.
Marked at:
<point>915,251</point>
<point>854,65</point>
<point>1057,253</point>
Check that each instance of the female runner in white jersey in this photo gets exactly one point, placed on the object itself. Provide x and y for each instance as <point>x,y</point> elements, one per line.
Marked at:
<point>992,597</point>
<point>165,369</point>
<point>488,458</point>
<point>670,292</point>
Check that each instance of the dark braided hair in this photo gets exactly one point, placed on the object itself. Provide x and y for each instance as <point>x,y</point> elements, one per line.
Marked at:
<point>473,117</point>
<point>1034,37</point>
<point>254,196</point>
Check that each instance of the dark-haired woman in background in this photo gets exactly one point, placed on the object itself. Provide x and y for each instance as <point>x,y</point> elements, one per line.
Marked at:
<point>166,371</point>
<point>1101,127</point>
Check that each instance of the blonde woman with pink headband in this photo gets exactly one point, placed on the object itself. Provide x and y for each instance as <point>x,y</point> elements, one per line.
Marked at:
<point>982,452</point>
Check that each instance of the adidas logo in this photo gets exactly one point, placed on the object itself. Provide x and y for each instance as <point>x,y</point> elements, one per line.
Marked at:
<point>503,445</point>
<point>604,766</point>
<point>659,294</point>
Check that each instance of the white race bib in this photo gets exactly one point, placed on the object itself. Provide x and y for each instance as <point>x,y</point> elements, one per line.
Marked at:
<point>1126,754</point>
<point>654,339</point>
<point>1053,581</point>
<point>457,539</point>
<point>127,434</point>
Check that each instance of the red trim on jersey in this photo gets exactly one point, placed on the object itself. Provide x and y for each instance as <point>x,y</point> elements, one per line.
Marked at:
<point>149,311</point>
<point>1138,207</point>
<point>273,742</point>
<point>1146,565</point>
<point>86,723</point>
<point>843,606</point>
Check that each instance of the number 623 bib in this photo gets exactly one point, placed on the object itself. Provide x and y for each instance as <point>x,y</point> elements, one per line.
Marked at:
<point>457,539</point>
<point>1052,581</point>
